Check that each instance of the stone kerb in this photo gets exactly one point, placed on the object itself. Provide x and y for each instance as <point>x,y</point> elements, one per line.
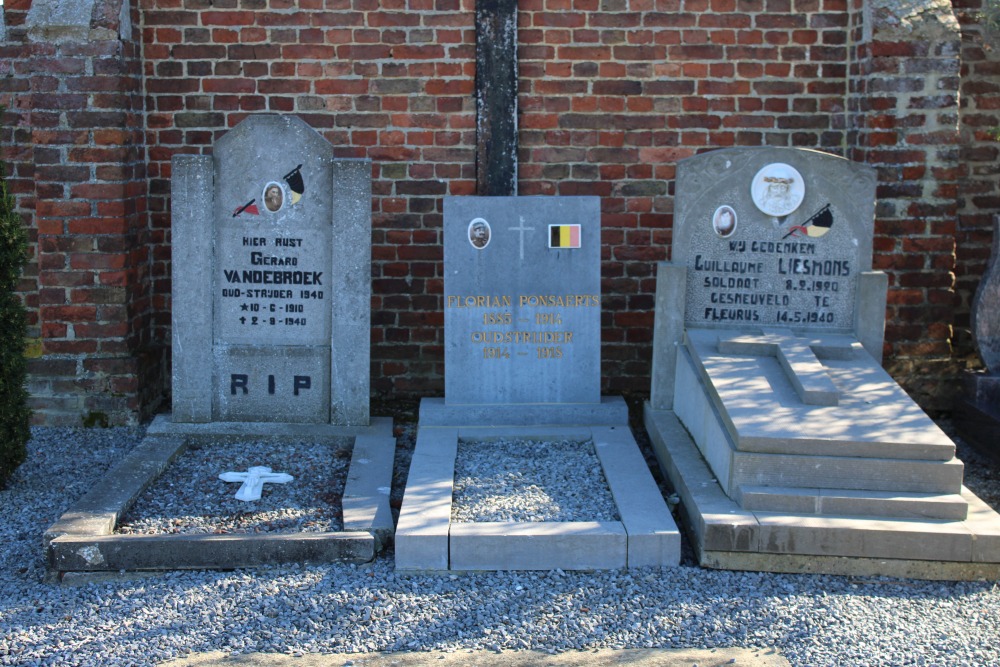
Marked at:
<point>84,539</point>
<point>427,540</point>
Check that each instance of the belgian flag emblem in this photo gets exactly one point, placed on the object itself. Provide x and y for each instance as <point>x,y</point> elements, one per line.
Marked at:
<point>295,183</point>
<point>816,226</point>
<point>564,236</point>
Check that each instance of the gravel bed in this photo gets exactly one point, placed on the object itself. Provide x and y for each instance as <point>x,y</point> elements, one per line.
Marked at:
<point>813,620</point>
<point>529,480</point>
<point>189,498</point>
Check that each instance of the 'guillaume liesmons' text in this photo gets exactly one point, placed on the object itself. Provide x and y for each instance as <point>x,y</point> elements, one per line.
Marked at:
<point>743,286</point>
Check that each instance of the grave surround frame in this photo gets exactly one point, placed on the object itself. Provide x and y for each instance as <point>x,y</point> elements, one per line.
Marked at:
<point>83,541</point>
<point>270,215</point>
<point>790,447</point>
<point>522,359</point>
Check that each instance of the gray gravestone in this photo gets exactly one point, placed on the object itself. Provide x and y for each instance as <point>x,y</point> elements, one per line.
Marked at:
<point>977,409</point>
<point>772,239</point>
<point>750,268</point>
<point>522,313</point>
<point>271,279</point>
<point>767,349</point>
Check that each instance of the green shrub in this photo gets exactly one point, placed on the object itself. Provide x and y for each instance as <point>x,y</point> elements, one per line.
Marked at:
<point>15,415</point>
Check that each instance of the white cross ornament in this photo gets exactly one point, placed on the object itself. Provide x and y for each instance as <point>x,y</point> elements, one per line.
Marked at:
<point>253,481</point>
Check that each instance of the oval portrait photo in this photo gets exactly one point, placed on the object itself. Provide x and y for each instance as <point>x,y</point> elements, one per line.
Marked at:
<point>274,196</point>
<point>479,233</point>
<point>724,221</point>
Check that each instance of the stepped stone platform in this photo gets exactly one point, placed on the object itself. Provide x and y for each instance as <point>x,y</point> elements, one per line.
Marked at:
<point>427,540</point>
<point>840,540</point>
<point>84,538</point>
<point>790,447</point>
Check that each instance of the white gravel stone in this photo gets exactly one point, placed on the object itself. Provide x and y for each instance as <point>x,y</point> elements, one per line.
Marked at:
<point>814,621</point>
<point>528,480</point>
<point>189,498</point>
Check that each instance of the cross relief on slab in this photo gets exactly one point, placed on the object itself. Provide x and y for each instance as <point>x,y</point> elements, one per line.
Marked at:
<point>797,357</point>
<point>253,481</point>
<point>522,229</point>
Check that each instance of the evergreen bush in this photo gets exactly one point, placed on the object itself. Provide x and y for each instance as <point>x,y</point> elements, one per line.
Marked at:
<point>15,416</point>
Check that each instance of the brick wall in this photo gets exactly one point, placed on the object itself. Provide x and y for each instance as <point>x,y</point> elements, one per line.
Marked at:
<point>80,175</point>
<point>904,103</point>
<point>612,94</point>
<point>979,188</point>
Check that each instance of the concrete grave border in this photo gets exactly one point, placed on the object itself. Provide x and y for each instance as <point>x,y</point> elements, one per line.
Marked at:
<point>427,540</point>
<point>727,536</point>
<point>83,538</point>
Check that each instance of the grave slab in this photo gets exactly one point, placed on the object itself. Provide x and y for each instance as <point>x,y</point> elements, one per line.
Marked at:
<point>762,413</point>
<point>789,445</point>
<point>728,536</point>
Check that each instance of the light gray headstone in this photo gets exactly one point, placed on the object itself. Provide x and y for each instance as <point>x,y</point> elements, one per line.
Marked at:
<point>789,260</point>
<point>744,260</point>
<point>271,279</point>
<point>522,317</point>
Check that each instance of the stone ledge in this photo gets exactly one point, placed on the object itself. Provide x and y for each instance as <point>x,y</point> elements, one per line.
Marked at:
<point>427,540</point>
<point>727,536</point>
<point>611,411</point>
<point>206,433</point>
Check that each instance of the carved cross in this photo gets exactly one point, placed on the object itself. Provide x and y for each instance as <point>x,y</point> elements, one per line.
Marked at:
<point>799,360</point>
<point>253,481</point>
<point>522,229</point>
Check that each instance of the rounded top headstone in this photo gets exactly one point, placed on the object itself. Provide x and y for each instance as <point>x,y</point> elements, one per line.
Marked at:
<point>773,236</point>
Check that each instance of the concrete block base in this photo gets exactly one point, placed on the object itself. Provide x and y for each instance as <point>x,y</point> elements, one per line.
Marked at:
<point>610,411</point>
<point>83,539</point>
<point>427,540</point>
<point>579,545</point>
<point>728,536</point>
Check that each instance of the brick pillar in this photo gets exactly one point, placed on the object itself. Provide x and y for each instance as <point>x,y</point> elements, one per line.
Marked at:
<point>82,117</point>
<point>903,102</point>
<point>979,189</point>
